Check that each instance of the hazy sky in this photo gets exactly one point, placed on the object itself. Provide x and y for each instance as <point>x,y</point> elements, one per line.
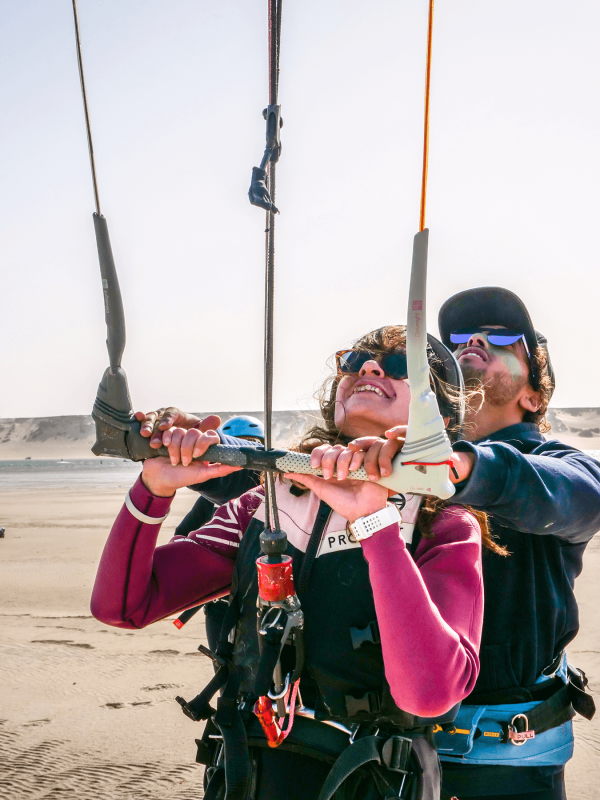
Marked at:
<point>176,89</point>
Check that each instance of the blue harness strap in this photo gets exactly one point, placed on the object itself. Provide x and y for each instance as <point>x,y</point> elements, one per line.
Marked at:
<point>537,733</point>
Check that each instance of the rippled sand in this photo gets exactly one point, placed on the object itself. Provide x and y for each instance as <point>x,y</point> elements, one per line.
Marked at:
<point>88,711</point>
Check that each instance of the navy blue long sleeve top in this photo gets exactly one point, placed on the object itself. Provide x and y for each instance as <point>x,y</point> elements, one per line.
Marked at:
<point>543,502</point>
<point>222,490</point>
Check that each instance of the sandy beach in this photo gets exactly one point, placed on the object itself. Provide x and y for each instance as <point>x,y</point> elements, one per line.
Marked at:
<point>88,711</point>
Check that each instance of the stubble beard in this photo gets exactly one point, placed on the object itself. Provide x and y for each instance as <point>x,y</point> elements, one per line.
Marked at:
<point>498,390</point>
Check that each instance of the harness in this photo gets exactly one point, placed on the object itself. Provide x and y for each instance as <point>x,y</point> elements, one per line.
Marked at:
<point>536,719</point>
<point>363,735</point>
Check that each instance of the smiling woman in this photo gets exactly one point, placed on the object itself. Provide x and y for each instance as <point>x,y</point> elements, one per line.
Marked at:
<point>364,573</point>
<point>359,372</point>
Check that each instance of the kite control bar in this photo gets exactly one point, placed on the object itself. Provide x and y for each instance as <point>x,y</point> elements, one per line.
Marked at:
<point>427,448</point>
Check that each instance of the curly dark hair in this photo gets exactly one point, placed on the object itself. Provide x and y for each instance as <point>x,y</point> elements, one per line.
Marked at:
<point>390,339</point>
<point>545,388</point>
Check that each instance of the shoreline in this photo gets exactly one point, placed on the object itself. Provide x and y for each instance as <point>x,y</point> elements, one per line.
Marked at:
<point>72,437</point>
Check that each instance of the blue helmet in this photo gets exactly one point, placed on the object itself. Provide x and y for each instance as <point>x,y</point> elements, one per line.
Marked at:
<point>244,425</point>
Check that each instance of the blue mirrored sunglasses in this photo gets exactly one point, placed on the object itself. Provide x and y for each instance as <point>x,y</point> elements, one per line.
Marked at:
<point>501,338</point>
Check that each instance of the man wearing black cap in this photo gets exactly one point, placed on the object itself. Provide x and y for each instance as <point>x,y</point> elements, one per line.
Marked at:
<point>543,499</point>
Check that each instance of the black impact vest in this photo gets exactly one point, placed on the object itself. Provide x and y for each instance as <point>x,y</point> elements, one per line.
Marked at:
<point>344,676</point>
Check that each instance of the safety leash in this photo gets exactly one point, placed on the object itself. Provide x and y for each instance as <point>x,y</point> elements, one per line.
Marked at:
<point>280,615</point>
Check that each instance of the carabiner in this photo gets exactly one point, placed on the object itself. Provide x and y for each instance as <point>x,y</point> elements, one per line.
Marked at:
<point>518,738</point>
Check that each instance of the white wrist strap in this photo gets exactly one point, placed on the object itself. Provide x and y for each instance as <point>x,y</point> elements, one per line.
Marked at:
<point>365,527</point>
<point>138,514</point>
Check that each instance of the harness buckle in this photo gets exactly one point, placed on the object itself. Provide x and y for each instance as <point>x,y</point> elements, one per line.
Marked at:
<point>368,634</point>
<point>396,752</point>
<point>370,703</point>
<point>519,738</point>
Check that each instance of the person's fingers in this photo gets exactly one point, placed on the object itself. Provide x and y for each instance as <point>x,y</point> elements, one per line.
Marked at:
<point>188,444</point>
<point>163,479</point>
<point>312,482</point>
<point>205,440</point>
<point>463,464</point>
<point>363,443</point>
<point>210,471</point>
<point>397,432</point>
<point>147,420</point>
<point>343,464</point>
<point>174,417</point>
<point>317,454</point>
<point>174,445</point>
<point>357,460</point>
<point>210,423</point>
<point>329,460</point>
<point>386,454</point>
<point>371,463</point>
<point>168,418</point>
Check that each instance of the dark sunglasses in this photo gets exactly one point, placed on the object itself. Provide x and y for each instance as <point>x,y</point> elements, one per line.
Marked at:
<point>350,362</point>
<point>501,338</point>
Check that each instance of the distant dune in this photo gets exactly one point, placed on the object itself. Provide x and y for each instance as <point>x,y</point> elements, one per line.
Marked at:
<point>72,437</point>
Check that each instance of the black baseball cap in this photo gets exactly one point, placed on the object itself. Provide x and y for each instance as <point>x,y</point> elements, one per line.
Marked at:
<point>492,305</point>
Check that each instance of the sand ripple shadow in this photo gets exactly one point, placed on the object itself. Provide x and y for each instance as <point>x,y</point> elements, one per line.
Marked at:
<point>53,770</point>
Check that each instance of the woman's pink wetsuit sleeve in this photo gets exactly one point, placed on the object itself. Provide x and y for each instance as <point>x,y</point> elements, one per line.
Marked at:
<point>138,583</point>
<point>429,611</point>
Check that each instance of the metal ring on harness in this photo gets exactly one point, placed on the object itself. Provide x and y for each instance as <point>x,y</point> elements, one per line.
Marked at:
<point>283,692</point>
<point>516,737</point>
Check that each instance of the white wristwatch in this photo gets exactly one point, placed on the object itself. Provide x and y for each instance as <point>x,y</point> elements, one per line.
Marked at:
<point>365,527</point>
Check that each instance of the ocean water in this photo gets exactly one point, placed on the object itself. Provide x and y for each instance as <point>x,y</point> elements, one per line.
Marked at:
<point>87,472</point>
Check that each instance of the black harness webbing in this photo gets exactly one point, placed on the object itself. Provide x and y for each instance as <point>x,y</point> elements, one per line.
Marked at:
<point>559,708</point>
<point>412,547</point>
<point>270,650</point>
<point>398,754</point>
<point>355,756</point>
<point>236,772</point>
<point>312,548</point>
